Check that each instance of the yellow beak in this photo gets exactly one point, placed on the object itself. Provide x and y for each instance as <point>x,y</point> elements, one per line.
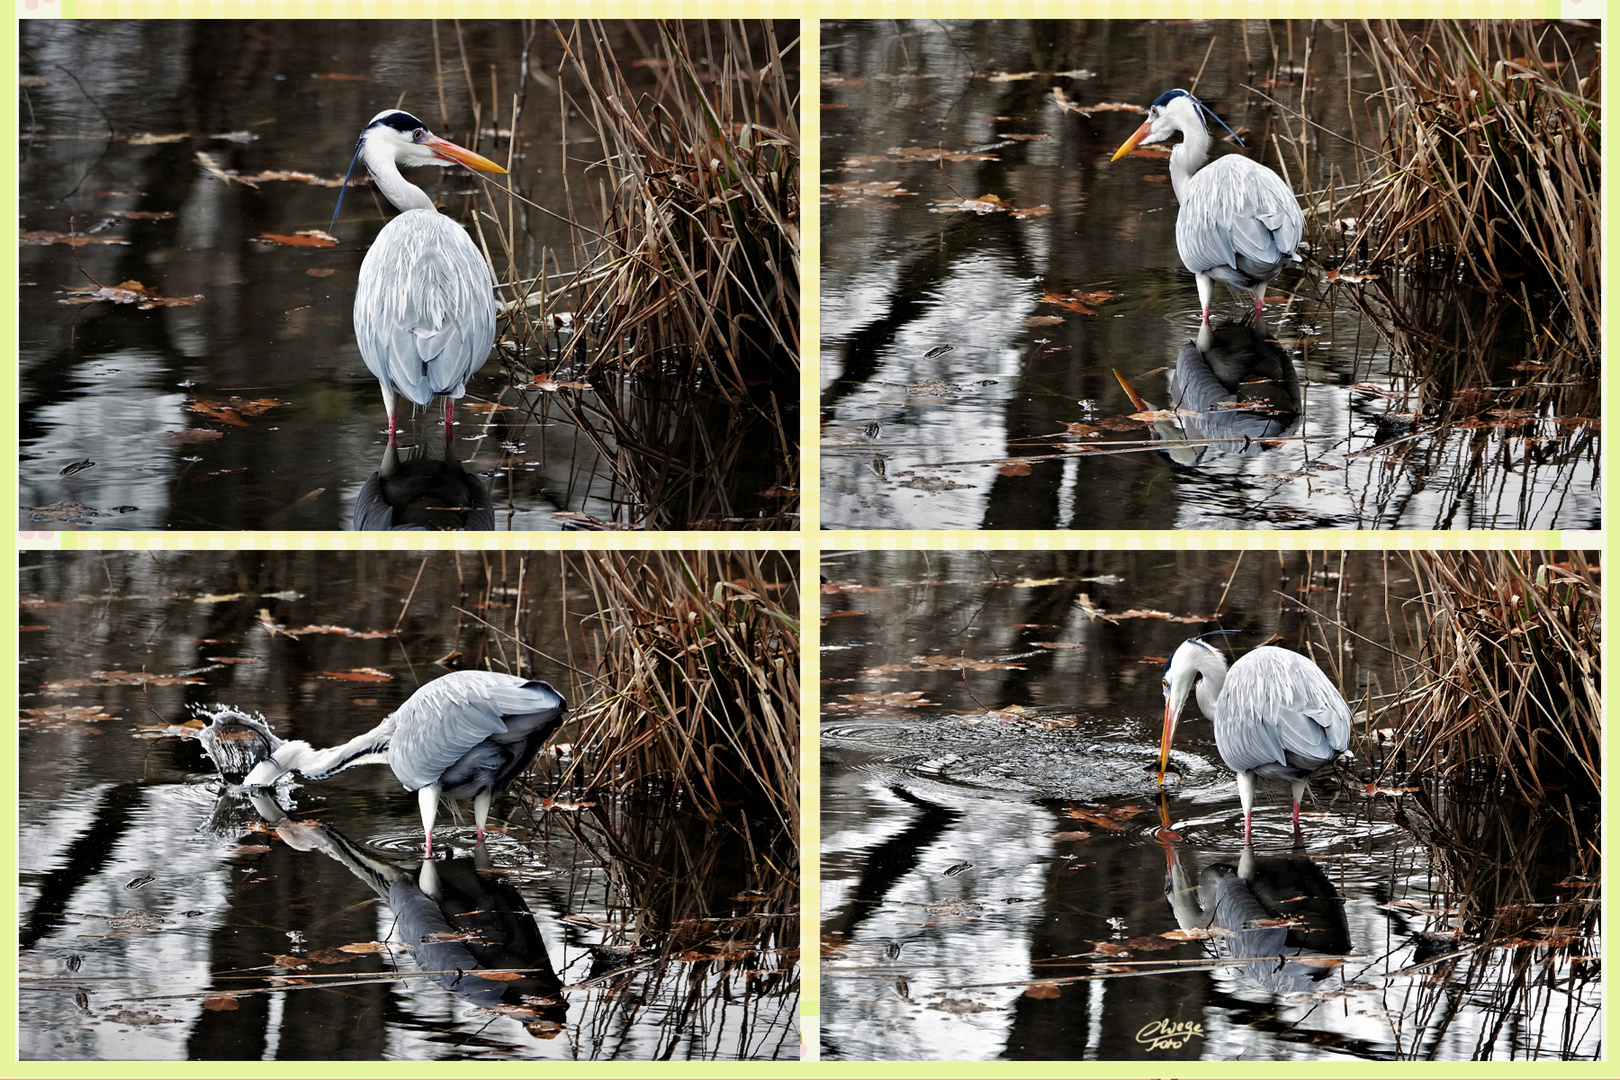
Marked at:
<point>1130,144</point>
<point>1164,741</point>
<point>447,149</point>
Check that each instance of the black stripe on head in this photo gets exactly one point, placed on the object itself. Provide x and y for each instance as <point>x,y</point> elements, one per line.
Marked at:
<point>1170,95</point>
<point>399,120</point>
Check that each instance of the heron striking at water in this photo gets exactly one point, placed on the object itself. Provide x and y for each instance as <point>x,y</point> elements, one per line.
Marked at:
<point>1239,222</point>
<point>464,736</point>
<point>424,314</point>
<point>1276,715</point>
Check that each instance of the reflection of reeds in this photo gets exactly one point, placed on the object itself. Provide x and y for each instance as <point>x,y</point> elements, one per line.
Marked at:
<point>697,657</point>
<point>1506,689</point>
<point>699,938</point>
<point>1492,161</point>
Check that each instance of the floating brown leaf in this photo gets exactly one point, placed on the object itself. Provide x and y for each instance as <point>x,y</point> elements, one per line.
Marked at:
<point>43,236</point>
<point>219,1002</point>
<point>301,238</point>
<point>128,292</point>
<point>359,675</point>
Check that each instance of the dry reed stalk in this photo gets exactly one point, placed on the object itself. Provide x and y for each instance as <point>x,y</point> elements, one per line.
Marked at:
<point>695,251</point>
<point>697,657</point>
<point>1508,681</point>
<point>1491,161</point>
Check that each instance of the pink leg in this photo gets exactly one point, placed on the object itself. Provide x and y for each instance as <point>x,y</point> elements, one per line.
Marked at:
<point>429,853</point>
<point>1297,837</point>
<point>1257,306</point>
<point>449,413</point>
<point>390,429</point>
<point>1248,823</point>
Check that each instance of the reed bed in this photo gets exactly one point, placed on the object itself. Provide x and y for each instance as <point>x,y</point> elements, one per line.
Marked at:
<point>1490,165</point>
<point>693,239</point>
<point>697,674</point>
<point>1506,688</point>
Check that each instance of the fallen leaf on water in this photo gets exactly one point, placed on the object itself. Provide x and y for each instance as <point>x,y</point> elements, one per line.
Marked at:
<point>142,678</point>
<point>1070,836</point>
<point>359,675</point>
<point>219,1002</point>
<point>1108,948</point>
<point>288,963</point>
<point>1042,990</point>
<point>193,435</point>
<point>43,236</point>
<point>1010,76</point>
<point>1013,468</point>
<point>338,76</point>
<point>1349,278</point>
<point>498,976</point>
<point>854,191</point>
<point>149,139</point>
<point>1034,211</point>
<point>363,947</point>
<point>1020,137</point>
<point>51,715</point>
<point>1042,320</point>
<point>552,803</point>
<point>319,272</point>
<point>331,956</point>
<point>143,215</point>
<point>1156,415</point>
<point>548,384</point>
<point>1036,583</point>
<point>128,292</point>
<point>845,614</point>
<point>899,699</point>
<point>301,238</point>
<point>486,407</point>
<point>1196,933</point>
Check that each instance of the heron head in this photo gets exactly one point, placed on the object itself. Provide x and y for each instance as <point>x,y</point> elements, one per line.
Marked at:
<point>277,765</point>
<point>1171,112</point>
<point>397,134</point>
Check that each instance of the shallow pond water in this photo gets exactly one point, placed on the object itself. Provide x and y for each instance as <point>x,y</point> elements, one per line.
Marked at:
<point>167,914</point>
<point>989,276</point>
<point>165,153</point>
<point>1000,879</point>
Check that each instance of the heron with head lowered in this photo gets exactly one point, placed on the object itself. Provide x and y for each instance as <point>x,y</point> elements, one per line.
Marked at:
<point>1276,715</point>
<point>463,736</point>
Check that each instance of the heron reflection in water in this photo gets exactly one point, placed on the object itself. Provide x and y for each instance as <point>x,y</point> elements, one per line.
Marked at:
<point>1280,912</point>
<point>422,493</point>
<point>1230,389</point>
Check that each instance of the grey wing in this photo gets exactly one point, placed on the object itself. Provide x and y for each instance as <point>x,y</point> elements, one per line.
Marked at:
<point>452,715</point>
<point>424,312</point>
<point>1279,710</point>
<point>1232,207</point>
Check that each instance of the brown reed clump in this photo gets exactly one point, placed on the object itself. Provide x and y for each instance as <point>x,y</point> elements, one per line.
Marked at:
<point>697,658</point>
<point>1506,689</point>
<point>1491,161</point>
<point>694,251</point>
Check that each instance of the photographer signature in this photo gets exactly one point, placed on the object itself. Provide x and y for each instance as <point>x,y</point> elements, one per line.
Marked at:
<point>1164,1035</point>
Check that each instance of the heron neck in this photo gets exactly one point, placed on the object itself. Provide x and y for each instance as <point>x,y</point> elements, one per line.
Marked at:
<point>395,188</point>
<point>1188,156</point>
<point>1213,670</point>
<point>370,748</point>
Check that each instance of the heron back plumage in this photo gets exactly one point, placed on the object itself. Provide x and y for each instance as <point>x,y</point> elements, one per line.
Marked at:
<point>1279,716</point>
<point>424,312</point>
<point>1238,222</point>
<point>471,731</point>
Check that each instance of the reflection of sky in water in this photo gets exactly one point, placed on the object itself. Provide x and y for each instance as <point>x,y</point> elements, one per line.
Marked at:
<point>900,279</point>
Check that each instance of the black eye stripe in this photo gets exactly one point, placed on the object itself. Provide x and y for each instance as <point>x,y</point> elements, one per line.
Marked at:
<point>400,121</point>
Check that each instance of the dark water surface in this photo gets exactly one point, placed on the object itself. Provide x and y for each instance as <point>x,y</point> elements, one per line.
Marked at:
<point>165,915</point>
<point>991,831</point>
<point>968,359</point>
<point>251,408</point>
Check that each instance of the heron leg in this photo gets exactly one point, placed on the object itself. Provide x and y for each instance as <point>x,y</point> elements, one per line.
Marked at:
<point>449,414</point>
<point>1206,285</point>
<point>428,799</point>
<point>1245,780</point>
<point>1299,793</point>
<point>388,404</point>
<point>481,803</point>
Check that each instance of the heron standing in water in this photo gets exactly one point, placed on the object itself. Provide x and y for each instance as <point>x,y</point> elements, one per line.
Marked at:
<point>1239,222</point>
<point>424,314</point>
<point>1276,715</point>
<point>463,736</point>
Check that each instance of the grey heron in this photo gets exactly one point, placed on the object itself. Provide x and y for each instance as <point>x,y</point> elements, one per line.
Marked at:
<point>1276,715</point>
<point>424,313</point>
<point>1239,222</point>
<point>463,736</point>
